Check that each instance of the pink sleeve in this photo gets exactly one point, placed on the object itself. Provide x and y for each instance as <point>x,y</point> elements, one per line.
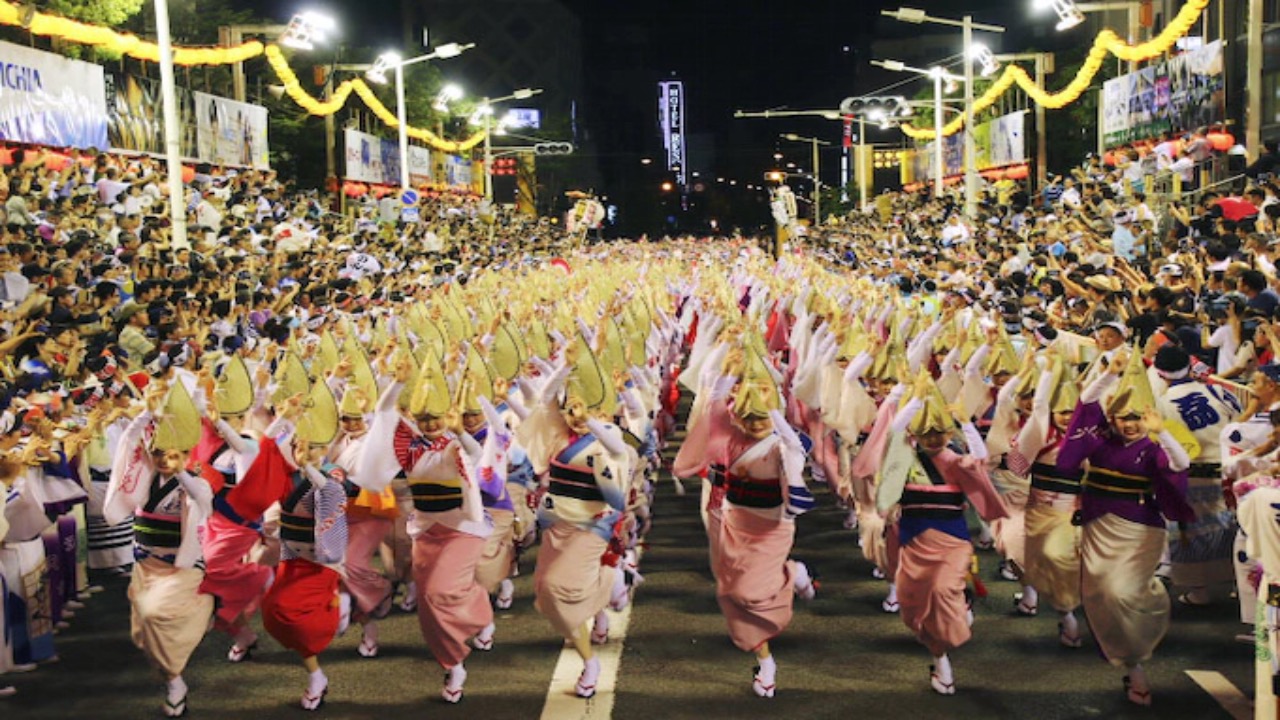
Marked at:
<point>705,429</point>
<point>971,475</point>
<point>868,460</point>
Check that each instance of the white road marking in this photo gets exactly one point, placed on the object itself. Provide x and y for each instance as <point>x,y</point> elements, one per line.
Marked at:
<point>1222,690</point>
<point>562,703</point>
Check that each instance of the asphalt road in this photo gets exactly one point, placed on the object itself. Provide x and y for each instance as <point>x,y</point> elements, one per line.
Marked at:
<point>842,657</point>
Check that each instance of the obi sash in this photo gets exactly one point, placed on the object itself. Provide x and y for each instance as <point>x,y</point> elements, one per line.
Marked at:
<point>1105,483</point>
<point>297,529</point>
<point>436,496</point>
<point>157,530</point>
<point>753,492</point>
<point>574,481</point>
<point>1048,477</point>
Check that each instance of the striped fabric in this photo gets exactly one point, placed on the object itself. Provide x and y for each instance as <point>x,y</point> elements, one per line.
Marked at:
<point>799,499</point>
<point>410,446</point>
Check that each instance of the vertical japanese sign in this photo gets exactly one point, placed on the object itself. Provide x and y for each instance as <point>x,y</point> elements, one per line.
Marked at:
<point>671,120</point>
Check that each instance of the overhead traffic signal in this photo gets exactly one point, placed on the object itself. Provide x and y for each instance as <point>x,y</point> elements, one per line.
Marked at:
<point>553,148</point>
<point>877,108</point>
<point>503,166</point>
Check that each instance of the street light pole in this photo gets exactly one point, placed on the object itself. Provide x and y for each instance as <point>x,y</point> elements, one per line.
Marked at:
<point>861,173</point>
<point>817,187</point>
<point>970,149</point>
<point>917,16</point>
<point>403,126</point>
<point>377,73</point>
<point>169,98</point>
<point>938,169</point>
<point>488,154</point>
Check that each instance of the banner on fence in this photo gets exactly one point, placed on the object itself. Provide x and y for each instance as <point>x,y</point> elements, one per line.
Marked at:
<point>230,132</point>
<point>47,99</point>
<point>1182,93</point>
<point>998,142</point>
<point>419,166</point>
<point>135,118</point>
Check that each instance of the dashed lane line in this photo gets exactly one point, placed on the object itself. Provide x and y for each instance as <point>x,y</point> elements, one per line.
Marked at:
<point>1223,691</point>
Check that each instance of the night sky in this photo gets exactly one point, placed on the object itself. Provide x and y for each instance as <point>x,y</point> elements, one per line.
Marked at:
<point>731,54</point>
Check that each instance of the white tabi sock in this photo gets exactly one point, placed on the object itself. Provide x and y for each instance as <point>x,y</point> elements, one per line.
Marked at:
<point>316,682</point>
<point>175,690</point>
<point>942,668</point>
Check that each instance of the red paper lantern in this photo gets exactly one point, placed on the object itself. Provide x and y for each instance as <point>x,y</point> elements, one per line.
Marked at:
<point>1017,172</point>
<point>1221,140</point>
<point>188,173</point>
<point>55,161</point>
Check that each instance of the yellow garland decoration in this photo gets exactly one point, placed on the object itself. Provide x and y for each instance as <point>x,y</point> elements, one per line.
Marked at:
<point>125,44</point>
<point>133,46</point>
<point>339,98</point>
<point>1106,42</point>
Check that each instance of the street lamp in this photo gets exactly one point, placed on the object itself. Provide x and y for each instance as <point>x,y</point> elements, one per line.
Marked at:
<point>863,183</point>
<point>1071,13</point>
<point>913,15</point>
<point>982,55</point>
<point>939,75</point>
<point>304,30</point>
<point>817,182</point>
<point>484,113</point>
<point>378,74</point>
<point>449,93</point>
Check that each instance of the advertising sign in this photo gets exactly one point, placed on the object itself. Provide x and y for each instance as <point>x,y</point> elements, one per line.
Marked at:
<point>365,158</point>
<point>47,99</point>
<point>527,118</point>
<point>998,142</point>
<point>1182,93</point>
<point>419,166</point>
<point>230,132</point>
<point>135,120</point>
<point>671,119</point>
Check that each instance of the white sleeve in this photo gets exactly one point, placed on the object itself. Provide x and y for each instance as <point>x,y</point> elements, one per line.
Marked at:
<point>905,415</point>
<point>1098,388</point>
<point>972,438</point>
<point>1178,458</point>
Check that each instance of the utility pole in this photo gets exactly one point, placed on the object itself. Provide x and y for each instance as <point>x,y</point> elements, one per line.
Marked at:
<point>1253,81</point>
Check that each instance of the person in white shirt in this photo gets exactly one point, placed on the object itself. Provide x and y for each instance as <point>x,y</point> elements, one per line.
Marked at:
<point>955,232</point>
<point>1071,194</point>
<point>207,214</point>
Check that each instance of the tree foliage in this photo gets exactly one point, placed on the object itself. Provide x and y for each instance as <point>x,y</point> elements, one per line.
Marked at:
<point>98,12</point>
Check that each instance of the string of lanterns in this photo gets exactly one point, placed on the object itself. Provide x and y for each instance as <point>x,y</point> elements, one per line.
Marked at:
<point>338,98</point>
<point>131,45</point>
<point>1106,42</point>
<point>39,23</point>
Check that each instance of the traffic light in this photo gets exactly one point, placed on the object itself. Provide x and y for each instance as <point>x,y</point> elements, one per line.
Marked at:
<point>885,107</point>
<point>503,166</point>
<point>887,159</point>
<point>553,148</point>
<point>775,176</point>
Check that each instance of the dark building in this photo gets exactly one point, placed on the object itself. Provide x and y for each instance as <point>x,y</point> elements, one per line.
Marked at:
<point>519,44</point>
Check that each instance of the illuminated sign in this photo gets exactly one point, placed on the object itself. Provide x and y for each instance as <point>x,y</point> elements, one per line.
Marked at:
<point>671,120</point>
<point>527,118</point>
